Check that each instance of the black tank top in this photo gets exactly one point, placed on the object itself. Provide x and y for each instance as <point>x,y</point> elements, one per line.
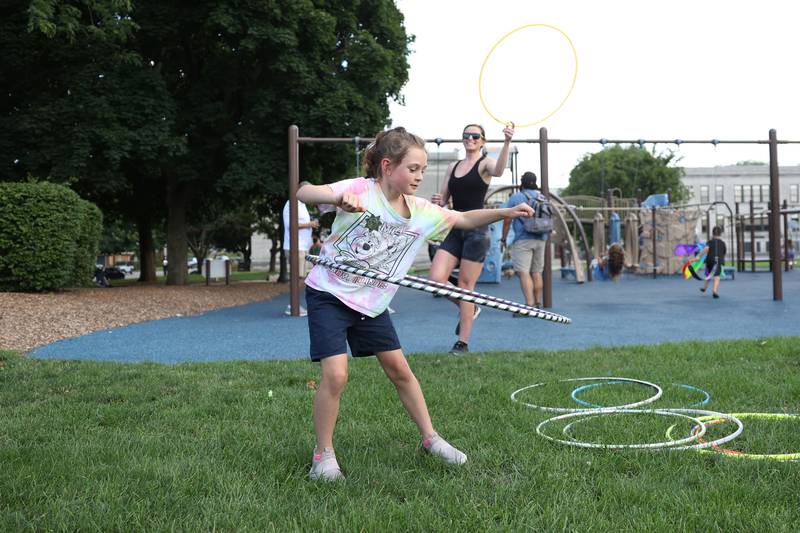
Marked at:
<point>469,190</point>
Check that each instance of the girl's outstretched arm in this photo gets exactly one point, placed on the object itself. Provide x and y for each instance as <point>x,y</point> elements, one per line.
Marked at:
<point>481,217</point>
<point>323,194</point>
<point>317,194</point>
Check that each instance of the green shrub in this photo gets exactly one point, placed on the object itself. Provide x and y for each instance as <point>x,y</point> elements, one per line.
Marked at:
<point>90,233</point>
<point>48,237</point>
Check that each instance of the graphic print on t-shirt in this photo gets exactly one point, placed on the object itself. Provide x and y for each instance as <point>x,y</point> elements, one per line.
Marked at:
<point>373,244</point>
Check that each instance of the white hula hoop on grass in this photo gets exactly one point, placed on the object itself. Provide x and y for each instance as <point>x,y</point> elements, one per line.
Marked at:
<point>709,444</point>
<point>793,457</point>
<point>670,445</point>
<point>438,288</point>
<point>651,399</point>
<point>597,412</point>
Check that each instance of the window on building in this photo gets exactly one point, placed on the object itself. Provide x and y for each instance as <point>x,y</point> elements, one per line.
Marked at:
<point>747,193</point>
<point>704,194</point>
<point>765,193</point>
<point>719,193</point>
<point>794,194</point>
<point>737,193</point>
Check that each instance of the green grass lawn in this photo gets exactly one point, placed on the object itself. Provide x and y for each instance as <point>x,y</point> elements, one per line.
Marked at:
<point>199,447</point>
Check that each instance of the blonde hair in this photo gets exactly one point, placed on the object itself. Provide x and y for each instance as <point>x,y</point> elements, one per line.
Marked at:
<point>391,144</point>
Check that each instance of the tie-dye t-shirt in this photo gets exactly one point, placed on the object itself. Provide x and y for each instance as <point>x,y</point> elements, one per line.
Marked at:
<point>378,239</point>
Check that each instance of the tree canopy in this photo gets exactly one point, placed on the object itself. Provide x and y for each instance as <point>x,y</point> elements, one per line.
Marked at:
<point>149,108</point>
<point>628,169</point>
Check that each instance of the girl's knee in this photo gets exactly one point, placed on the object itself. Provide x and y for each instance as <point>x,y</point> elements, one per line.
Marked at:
<point>399,372</point>
<point>335,379</point>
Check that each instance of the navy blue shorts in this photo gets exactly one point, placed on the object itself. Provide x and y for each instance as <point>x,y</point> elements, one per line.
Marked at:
<point>332,326</point>
<point>469,244</point>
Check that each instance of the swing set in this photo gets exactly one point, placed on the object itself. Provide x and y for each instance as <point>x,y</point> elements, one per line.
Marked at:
<point>774,215</point>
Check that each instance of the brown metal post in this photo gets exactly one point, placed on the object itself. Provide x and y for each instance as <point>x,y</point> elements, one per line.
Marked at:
<point>294,260</point>
<point>775,217</point>
<point>785,236</point>
<point>731,230</point>
<point>655,249</point>
<point>547,275</point>
<point>737,227</point>
<point>762,220</point>
<point>752,236</point>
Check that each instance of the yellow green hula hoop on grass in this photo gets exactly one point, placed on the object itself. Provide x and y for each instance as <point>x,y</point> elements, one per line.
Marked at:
<point>503,38</point>
<point>741,455</point>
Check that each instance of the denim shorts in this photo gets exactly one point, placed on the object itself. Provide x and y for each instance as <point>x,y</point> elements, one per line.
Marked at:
<point>332,326</point>
<point>469,244</point>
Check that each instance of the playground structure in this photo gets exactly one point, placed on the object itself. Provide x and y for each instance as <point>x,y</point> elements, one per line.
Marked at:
<point>773,215</point>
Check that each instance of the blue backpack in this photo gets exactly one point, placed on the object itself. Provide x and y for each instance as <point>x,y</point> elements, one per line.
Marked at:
<point>542,219</point>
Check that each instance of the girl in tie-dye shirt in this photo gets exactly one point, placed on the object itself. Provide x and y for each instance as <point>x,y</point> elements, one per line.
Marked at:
<point>379,226</point>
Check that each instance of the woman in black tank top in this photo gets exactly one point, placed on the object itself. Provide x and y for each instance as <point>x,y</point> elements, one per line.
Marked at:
<point>466,184</point>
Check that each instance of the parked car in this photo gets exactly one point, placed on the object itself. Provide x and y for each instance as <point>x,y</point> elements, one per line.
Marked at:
<point>114,272</point>
<point>126,268</point>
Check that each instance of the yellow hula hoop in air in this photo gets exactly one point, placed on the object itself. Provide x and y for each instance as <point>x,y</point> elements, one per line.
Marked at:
<point>554,111</point>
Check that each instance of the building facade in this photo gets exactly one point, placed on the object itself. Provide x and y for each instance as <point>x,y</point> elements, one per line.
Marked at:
<point>744,189</point>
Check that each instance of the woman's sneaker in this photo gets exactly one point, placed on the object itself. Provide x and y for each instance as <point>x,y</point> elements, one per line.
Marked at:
<point>325,467</point>
<point>439,447</point>
<point>459,348</point>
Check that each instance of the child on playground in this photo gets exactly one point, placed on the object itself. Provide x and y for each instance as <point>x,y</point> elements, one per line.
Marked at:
<point>609,267</point>
<point>379,226</point>
<point>715,260</point>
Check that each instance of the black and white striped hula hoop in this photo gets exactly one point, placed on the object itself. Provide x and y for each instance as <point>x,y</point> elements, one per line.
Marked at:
<point>456,293</point>
<point>461,290</point>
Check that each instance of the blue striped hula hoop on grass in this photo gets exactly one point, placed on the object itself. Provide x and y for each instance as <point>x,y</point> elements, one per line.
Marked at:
<point>706,399</point>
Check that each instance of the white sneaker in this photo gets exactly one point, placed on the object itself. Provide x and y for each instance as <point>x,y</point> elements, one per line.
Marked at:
<point>325,467</point>
<point>288,311</point>
<point>436,445</point>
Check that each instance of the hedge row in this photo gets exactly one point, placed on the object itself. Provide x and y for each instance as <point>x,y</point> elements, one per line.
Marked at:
<point>49,237</point>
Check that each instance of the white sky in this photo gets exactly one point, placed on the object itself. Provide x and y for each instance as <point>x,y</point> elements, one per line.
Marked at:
<point>699,69</point>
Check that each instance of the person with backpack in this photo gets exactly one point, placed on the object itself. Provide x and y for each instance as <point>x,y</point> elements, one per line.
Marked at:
<point>530,238</point>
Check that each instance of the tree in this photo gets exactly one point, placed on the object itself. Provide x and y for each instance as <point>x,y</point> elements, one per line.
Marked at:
<point>150,109</point>
<point>329,66</point>
<point>81,109</point>
<point>627,169</point>
<point>233,231</point>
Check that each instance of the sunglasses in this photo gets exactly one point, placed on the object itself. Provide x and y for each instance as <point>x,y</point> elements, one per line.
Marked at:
<point>475,136</point>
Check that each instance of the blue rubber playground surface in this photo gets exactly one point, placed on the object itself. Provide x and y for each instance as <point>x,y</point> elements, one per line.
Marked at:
<point>637,310</point>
